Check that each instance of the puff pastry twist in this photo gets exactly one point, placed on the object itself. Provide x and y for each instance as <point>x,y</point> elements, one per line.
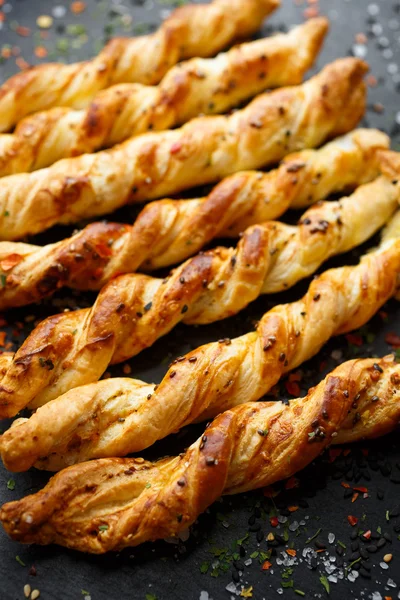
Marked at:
<point>77,347</point>
<point>190,31</point>
<point>167,232</point>
<point>112,503</point>
<point>202,151</point>
<point>208,86</point>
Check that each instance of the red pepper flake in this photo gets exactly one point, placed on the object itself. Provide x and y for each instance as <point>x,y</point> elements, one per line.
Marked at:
<point>3,335</point>
<point>295,377</point>
<point>23,31</point>
<point>365,451</point>
<point>361,489</point>
<point>291,552</point>
<point>293,508</point>
<point>346,452</point>
<point>293,388</point>
<point>352,520</point>
<point>78,7</point>
<point>10,261</point>
<point>355,496</point>
<point>176,147</point>
<point>334,453</point>
<point>103,250</point>
<point>323,365</point>
<point>2,17</point>
<point>355,339</point>
<point>21,63</point>
<point>291,483</point>
<point>383,315</point>
<point>266,565</point>
<point>345,485</point>
<point>393,339</point>
<point>311,12</point>
<point>3,322</point>
<point>388,598</point>
<point>361,38</point>
<point>40,51</point>
<point>371,81</point>
<point>367,534</point>
<point>274,521</point>
<point>269,492</point>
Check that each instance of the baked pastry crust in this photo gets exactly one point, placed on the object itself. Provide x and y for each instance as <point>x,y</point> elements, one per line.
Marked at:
<point>168,232</point>
<point>109,504</point>
<point>190,31</point>
<point>198,86</point>
<point>204,150</point>
<point>115,417</point>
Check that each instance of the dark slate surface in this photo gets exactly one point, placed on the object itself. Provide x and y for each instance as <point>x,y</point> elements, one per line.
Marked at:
<point>164,571</point>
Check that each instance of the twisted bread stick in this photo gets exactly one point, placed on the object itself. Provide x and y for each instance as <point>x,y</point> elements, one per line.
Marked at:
<point>169,231</point>
<point>112,503</point>
<point>204,150</point>
<point>85,423</point>
<point>190,31</point>
<point>197,86</point>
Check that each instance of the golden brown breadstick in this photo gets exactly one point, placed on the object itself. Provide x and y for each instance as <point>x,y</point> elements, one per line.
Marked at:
<point>208,86</point>
<point>167,232</point>
<point>202,151</point>
<point>190,31</point>
<point>112,503</point>
<point>115,417</point>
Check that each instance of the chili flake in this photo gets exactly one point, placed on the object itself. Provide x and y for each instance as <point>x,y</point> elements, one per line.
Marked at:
<point>293,388</point>
<point>40,52</point>
<point>393,339</point>
<point>78,7</point>
<point>10,261</point>
<point>291,483</point>
<point>352,520</point>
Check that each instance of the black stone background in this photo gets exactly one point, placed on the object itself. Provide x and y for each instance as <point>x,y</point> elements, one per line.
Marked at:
<point>164,571</point>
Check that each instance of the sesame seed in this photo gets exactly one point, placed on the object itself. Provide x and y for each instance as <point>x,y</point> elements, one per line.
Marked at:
<point>387,558</point>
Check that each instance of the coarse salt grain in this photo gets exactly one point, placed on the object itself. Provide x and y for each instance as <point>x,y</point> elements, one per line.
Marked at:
<point>359,50</point>
<point>373,10</point>
<point>59,11</point>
